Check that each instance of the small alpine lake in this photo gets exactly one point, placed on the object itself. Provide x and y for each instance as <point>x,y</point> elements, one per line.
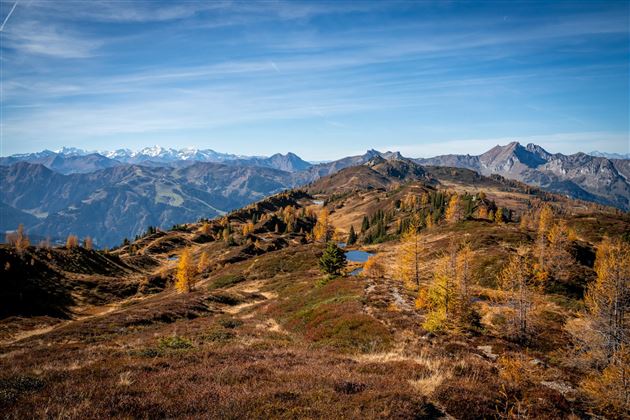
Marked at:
<point>358,256</point>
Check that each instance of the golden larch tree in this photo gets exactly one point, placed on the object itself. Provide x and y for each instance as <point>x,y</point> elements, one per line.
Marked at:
<point>499,216</point>
<point>204,262</point>
<point>323,230</point>
<point>428,222</point>
<point>185,272</point>
<point>610,388</point>
<point>248,228</point>
<point>454,211</point>
<point>608,297</point>
<point>517,279</point>
<point>88,243</point>
<point>601,334</point>
<point>409,254</point>
<point>465,274</point>
<point>545,221</point>
<point>18,239</point>
<point>226,235</point>
<point>559,259</point>
<point>440,298</point>
<point>424,199</point>
<point>72,241</point>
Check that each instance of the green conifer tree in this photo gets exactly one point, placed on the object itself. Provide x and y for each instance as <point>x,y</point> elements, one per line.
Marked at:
<point>333,260</point>
<point>352,236</point>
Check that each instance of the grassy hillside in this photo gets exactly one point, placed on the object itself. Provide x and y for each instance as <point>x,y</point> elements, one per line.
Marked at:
<point>264,334</point>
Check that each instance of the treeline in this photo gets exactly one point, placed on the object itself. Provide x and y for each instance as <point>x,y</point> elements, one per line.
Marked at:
<point>427,210</point>
<point>20,241</point>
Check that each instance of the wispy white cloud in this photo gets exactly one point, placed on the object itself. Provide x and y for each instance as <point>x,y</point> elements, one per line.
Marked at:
<point>122,11</point>
<point>236,12</point>
<point>45,39</point>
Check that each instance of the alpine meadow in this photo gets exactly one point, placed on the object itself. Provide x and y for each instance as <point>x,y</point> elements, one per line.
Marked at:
<point>278,209</point>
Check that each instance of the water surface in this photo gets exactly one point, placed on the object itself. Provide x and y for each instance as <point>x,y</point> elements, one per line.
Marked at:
<point>358,256</point>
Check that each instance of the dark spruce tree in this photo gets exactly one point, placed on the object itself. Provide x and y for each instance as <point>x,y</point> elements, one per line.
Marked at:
<point>365,225</point>
<point>333,260</point>
<point>352,236</point>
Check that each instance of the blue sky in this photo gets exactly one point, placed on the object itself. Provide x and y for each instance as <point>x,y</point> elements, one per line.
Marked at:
<point>321,79</point>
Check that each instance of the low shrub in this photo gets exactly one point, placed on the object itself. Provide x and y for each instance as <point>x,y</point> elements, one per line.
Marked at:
<point>175,343</point>
<point>226,281</point>
<point>219,335</point>
<point>230,322</point>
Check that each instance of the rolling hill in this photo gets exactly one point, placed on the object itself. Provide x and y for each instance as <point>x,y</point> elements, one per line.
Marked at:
<point>258,335</point>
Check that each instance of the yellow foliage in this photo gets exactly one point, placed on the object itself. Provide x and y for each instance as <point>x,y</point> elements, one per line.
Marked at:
<point>441,296</point>
<point>88,243</point>
<point>373,267</point>
<point>454,210</point>
<point>429,221</point>
<point>18,239</point>
<point>464,274</point>
<point>498,216</point>
<point>518,371</point>
<point>204,262</point>
<point>482,213</point>
<point>545,219</point>
<point>323,230</point>
<point>610,389</point>
<point>72,241</point>
<point>608,297</point>
<point>248,228</point>
<point>422,299</point>
<point>185,272</point>
<point>517,279</point>
<point>409,255</point>
<point>206,229</point>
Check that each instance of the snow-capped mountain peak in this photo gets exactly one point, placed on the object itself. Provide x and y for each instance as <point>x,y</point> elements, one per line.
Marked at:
<point>610,155</point>
<point>72,151</point>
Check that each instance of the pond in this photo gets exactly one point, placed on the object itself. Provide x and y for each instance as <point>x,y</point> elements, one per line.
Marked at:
<point>356,271</point>
<point>318,202</point>
<point>173,258</point>
<point>358,256</point>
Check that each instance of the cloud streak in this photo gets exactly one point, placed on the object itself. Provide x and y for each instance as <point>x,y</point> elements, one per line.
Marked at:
<point>6,19</point>
<point>120,72</point>
<point>36,38</point>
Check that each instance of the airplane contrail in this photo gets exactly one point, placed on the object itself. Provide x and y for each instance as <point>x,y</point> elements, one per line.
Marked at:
<point>8,16</point>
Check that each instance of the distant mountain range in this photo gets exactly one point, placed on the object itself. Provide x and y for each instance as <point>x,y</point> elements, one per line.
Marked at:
<point>113,195</point>
<point>610,155</point>
<point>72,160</point>
<point>123,200</point>
<point>592,178</point>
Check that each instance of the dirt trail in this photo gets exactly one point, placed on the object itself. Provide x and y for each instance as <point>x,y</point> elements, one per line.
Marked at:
<point>81,314</point>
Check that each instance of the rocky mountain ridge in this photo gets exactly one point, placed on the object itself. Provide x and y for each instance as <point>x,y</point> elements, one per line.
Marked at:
<point>598,179</point>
